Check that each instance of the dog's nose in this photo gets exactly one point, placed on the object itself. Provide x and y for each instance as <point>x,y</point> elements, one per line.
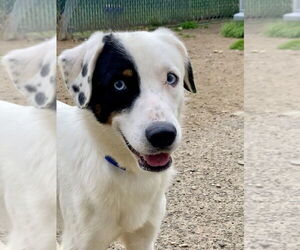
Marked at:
<point>161,134</point>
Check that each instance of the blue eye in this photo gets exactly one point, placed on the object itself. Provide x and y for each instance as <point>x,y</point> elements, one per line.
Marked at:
<point>172,79</point>
<point>120,85</point>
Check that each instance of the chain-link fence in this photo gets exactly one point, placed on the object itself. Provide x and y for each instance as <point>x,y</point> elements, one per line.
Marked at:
<point>18,17</point>
<point>21,16</point>
<point>119,14</point>
<point>267,8</point>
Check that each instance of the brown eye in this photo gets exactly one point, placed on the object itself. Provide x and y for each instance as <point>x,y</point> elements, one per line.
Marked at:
<point>172,79</point>
<point>120,85</point>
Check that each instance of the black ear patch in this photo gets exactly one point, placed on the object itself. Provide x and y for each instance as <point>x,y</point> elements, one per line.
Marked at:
<point>113,65</point>
<point>189,83</point>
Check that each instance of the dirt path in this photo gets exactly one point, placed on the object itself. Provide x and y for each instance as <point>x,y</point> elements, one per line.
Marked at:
<point>272,142</point>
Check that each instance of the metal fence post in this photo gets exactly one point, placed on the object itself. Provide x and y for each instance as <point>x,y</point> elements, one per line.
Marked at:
<point>295,15</point>
<point>240,16</point>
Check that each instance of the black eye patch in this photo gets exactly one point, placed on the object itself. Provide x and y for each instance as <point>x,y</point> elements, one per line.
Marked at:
<point>113,64</point>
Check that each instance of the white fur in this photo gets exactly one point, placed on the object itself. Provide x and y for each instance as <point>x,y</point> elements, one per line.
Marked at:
<point>100,203</point>
<point>28,156</point>
<point>27,177</point>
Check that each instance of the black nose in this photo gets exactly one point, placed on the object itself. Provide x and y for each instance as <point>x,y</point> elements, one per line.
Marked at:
<point>161,134</point>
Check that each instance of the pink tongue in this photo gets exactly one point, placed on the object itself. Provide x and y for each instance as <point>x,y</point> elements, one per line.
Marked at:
<point>157,160</point>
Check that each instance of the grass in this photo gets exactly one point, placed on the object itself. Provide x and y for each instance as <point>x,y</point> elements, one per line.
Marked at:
<point>284,29</point>
<point>186,35</point>
<point>233,29</point>
<point>291,45</point>
<point>189,25</point>
<point>238,45</point>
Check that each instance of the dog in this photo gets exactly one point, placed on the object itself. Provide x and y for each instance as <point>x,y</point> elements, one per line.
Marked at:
<point>115,147</point>
<point>28,152</point>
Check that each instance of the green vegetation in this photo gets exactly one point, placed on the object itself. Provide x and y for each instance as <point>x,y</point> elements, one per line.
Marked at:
<point>154,22</point>
<point>233,29</point>
<point>284,29</point>
<point>238,45</point>
<point>184,35</point>
<point>291,45</point>
<point>189,25</point>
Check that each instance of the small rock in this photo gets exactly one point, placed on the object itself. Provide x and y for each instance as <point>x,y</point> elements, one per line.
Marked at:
<point>184,245</point>
<point>295,162</point>
<point>238,113</point>
<point>241,162</point>
<point>222,244</point>
<point>218,185</point>
<point>194,188</point>
<point>293,113</point>
<point>265,245</point>
<point>259,186</point>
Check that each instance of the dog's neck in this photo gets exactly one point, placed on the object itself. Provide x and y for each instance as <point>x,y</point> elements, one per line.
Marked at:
<point>110,143</point>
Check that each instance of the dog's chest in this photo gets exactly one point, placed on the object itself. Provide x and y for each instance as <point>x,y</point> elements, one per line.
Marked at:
<point>135,198</point>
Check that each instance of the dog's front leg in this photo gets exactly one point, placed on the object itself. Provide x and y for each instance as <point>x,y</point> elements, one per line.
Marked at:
<point>141,239</point>
<point>84,242</point>
<point>145,237</point>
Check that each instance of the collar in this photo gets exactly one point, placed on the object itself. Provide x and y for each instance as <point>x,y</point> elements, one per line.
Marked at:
<point>113,162</point>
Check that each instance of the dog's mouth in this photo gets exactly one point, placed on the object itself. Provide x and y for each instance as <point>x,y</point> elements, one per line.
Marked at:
<point>153,163</point>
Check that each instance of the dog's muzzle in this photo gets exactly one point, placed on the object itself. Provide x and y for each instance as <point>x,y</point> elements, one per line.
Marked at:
<point>155,162</point>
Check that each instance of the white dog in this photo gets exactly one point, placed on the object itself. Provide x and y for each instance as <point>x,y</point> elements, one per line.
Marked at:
<point>28,152</point>
<point>114,154</point>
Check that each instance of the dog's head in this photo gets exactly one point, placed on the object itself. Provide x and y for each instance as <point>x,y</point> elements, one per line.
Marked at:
<point>134,82</point>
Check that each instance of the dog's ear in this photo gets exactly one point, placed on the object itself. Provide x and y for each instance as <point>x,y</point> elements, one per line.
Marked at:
<point>77,66</point>
<point>189,83</point>
<point>168,35</point>
<point>32,70</point>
